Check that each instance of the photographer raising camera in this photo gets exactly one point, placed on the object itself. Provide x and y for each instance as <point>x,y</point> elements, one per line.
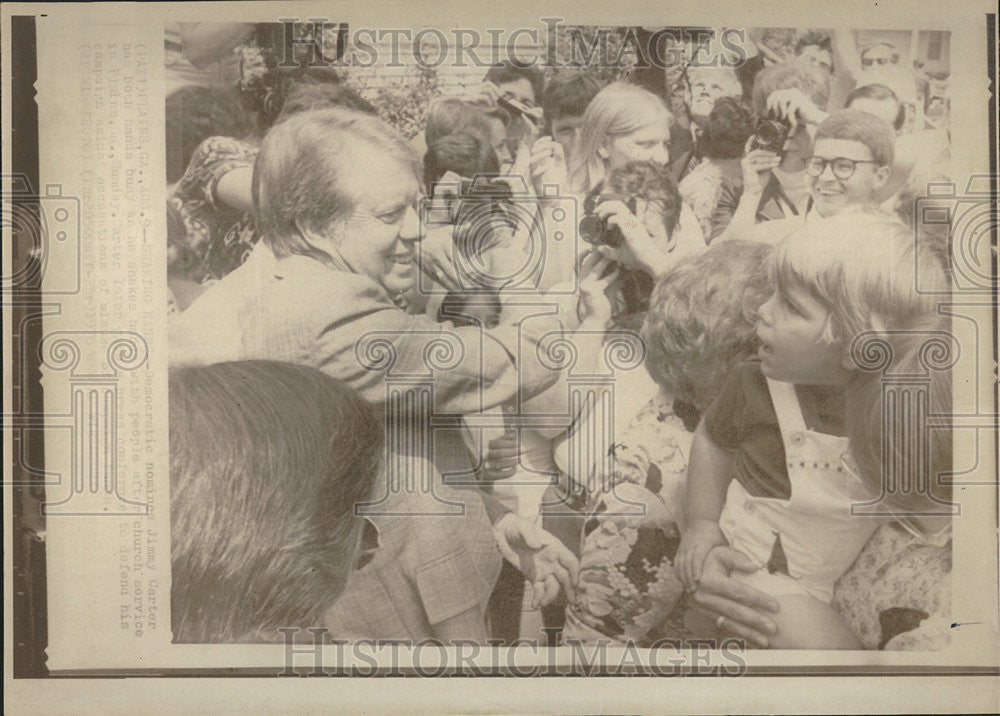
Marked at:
<point>788,102</point>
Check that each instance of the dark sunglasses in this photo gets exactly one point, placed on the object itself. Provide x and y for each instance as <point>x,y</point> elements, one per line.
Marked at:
<point>843,168</point>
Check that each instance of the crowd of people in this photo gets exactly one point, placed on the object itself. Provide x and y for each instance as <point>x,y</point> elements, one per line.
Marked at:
<point>750,246</point>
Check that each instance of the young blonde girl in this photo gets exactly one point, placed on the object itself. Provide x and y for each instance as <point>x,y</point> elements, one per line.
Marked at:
<point>801,429</point>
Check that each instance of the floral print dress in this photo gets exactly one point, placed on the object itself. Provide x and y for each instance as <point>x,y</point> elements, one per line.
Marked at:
<point>218,238</point>
<point>627,584</point>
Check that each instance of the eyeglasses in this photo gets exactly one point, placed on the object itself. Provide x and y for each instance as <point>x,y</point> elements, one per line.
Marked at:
<point>843,168</point>
<point>880,61</point>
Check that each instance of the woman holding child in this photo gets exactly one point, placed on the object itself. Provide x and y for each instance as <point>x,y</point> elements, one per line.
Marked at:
<point>843,279</point>
<point>772,565</point>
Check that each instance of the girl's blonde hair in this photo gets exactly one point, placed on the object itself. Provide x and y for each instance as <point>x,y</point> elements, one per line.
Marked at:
<point>618,109</point>
<point>883,292</point>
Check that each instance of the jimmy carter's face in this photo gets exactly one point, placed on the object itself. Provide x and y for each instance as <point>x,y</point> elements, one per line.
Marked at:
<point>378,240</point>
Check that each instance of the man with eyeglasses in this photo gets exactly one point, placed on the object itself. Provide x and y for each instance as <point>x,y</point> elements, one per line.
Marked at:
<point>848,169</point>
<point>879,54</point>
<point>851,161</point>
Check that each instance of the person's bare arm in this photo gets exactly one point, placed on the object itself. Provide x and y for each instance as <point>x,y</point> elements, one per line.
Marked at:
<point>710,471</point>
<point>756,168</point>
<point>205,42</point>
<point>235,189</point>
<point>845,55</point>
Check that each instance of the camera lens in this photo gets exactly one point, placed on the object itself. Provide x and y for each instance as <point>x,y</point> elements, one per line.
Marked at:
<point>768,132</point>
<point>591,229</point>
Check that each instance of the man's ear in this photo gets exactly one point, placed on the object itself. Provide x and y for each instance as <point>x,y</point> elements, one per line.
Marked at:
<point>316,239</point>
<point>882,176</point>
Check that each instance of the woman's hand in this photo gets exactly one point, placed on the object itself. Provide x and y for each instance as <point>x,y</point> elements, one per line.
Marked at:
<point>548,165</point>
<point>757,166</point>
<point>540,557</point>
<point>793,105</point>
<point>639,250</point>
<point>744,608</point>
<point>700,537</point>
<point>595,306</point>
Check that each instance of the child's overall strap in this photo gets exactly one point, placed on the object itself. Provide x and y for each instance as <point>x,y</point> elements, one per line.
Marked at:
<point>786,406</point>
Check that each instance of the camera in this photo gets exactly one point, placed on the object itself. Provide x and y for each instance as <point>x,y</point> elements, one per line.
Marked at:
<point>634,286</point>
<point>595,229</point>
<point>519,109</point>
<point>44,234</point>
<point>484,196</point>
<point>469,199</point>
<point>771,134</point>
<point>489,210</point>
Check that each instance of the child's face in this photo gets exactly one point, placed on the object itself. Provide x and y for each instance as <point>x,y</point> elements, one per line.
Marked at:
<point>790,329</point>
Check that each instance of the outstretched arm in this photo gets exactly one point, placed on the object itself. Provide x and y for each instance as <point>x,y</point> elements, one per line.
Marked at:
<point>709,474</point>
<point>539,556</point>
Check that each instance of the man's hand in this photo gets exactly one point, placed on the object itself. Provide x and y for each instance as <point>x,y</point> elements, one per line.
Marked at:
<point>501,457</point>
<point>744,608</point>
<point>436,254</point>
<point>540,557</point>
<point>639,250</point>
<point>484,96</point>
<point>524,156</point>
<point>595,307</point>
